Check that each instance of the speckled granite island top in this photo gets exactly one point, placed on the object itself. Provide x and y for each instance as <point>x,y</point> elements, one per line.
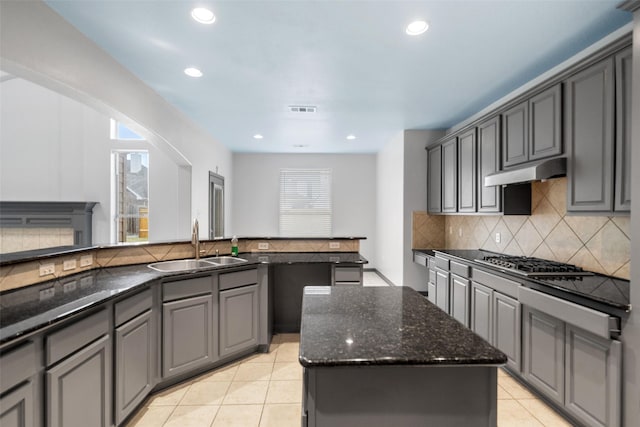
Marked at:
<point>346,326</point>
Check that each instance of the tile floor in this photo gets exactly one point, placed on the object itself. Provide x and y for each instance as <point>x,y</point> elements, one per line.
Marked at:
<point>265,390</point>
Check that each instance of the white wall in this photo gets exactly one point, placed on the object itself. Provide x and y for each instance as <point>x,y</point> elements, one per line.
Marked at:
<point>390,218</point>
<point>255,201</point>
<point>37,44</point>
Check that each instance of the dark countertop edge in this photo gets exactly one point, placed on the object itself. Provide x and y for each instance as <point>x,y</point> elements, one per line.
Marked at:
<point>40,254</point>
<point>563,293</point>
<point>136,286</point>
<point>403,363</point>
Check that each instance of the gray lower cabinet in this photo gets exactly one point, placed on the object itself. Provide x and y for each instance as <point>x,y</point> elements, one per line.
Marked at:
<point>507,326</point>
<point>239,319</point>
<point>20,370</point>
<point>543,347</point>
<point>623,131</point>
<point>342,275</point>
<point>450,175</point>
<point>481,313</point>
<point>460,292</point>
<point>515,135</point>
<point>78,388</point>
<point>593,369</point>
<point>589,132</point>
<point>467,174</point>
<point>135,352</point>
<point>442,290</point>
<point>434,179</point>
<point>16,407</point>
<point>188,334</point>
<point>489,142</point>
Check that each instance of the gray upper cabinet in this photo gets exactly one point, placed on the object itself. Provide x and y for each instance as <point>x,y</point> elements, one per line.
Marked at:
<point>239,319</point>
<point>434,180</point>
<point>515,135</point>
<point>589,114</point>
<point>467,174</point>
<point>623,131</point>
<point>450,175</point>
<point>489,143</point>
<point>545,124</point>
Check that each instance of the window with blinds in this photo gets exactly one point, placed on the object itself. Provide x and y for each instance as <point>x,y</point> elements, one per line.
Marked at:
<point>305,202</point>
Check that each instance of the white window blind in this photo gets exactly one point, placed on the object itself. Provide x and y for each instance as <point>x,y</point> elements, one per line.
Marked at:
<point>305,202</point>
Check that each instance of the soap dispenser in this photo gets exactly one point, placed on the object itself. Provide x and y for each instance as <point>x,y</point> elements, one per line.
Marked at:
<point>234,246</point>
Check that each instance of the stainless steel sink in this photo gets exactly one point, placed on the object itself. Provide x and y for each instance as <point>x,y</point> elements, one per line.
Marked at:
<point>181,265</point>
<point>226,260</point>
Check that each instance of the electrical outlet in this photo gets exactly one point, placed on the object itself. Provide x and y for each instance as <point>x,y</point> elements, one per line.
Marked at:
<point>86,260</point>
<point>263,246</point>
<point>47,293</point>
<point>46,269</point>
<point>334,245</point>
<point>69,287</point>
<point>69,264</point>
<point>497,237</point>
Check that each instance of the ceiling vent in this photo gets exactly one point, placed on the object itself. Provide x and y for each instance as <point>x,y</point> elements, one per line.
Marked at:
<point>302,109</point>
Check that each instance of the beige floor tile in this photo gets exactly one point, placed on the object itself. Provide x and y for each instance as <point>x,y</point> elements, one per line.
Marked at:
<point>246,393</point>
<point>288,352</point>
<point>514,388</point>
<point>503,394</point>
<point>281,415</point>
<point>512,414</point>
<point>286,371</point>
<point>254,372</point>
<point>284,392</point>
<point>544,413</point>
<point>224,373</point>
<point>289,338</point>
<point>502,373</point>
<point>171,396</point>
<point>192,416</point>
<point>151,416</point>
<point>260,358</point>
<point>238,416</point>
<point>205,393</point>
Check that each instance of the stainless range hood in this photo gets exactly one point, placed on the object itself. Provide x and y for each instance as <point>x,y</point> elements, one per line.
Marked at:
<point>545,169</point>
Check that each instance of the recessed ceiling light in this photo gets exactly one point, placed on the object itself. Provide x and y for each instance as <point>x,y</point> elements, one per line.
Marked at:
<point>193,72</point>
<point>203,15</point>
<point>351,137</point>
<point>417,27</point>
<point>258,136</point>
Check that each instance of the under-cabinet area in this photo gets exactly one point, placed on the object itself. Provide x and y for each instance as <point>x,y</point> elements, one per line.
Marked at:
<point>567,352</point>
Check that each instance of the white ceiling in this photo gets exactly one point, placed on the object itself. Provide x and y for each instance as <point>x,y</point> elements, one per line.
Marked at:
<point>351,59</point>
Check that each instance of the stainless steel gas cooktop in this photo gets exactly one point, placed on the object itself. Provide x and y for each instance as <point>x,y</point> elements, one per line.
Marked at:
<point>533,267</point>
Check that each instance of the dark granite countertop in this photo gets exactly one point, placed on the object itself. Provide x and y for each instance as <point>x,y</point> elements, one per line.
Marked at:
<point>600,292</point>
<point>28,309</point>
<point>347,326</point>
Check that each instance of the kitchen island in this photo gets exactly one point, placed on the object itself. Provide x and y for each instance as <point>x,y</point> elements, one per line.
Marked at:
<point>387,356</point>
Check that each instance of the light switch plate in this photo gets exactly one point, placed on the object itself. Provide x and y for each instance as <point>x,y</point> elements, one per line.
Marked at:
<point>86,260</point>
<point>69,264</point>
<point>497,237</point>
<point>46,269</point>
<point>334,245</point>
<point>263,246</point>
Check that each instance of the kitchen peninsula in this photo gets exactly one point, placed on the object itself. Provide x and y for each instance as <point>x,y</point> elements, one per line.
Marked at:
<point>387,356</point>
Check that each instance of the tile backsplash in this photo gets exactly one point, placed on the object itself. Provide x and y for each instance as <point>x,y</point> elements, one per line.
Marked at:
<point>596,243</point>
<point>26,239</point>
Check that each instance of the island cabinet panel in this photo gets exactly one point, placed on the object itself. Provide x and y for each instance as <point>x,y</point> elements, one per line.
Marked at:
<point>489,142</point>
<point>135,355</point>
<point>79,388</point>
<point>481,313</point>
<point>239,319</point>
<point>467,174</point>
<point>460,296</point>
<point>593,378</point>
<point>434,180</point>
<point>545,124</point>
<point>506,328</point>
<point>450,175</point>
<point>623,131</point>
<point>515,135</point>
<point>16,407</point>
<point>589,113</point>
<point>188,334</point>
<point>543,348</point>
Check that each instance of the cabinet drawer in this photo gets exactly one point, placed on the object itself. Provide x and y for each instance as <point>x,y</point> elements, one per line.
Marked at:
<point>500,284</point>
<point>588,319</point>
<point>442,263</point>
<point>133,306</point>
<point>72,338</point>
<point>238,278</point>
<point>420,259</point>
<point>347,274</point>
<point>186,288</point>
<point>17,365</point>
<point>459,269</point>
